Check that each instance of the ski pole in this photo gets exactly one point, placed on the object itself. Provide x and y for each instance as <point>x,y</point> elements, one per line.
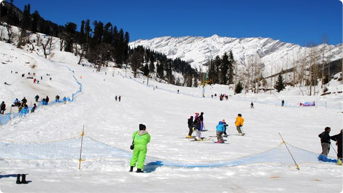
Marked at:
<point>333,148</point>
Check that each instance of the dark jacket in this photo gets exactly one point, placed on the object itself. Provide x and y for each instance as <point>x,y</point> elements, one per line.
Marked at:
<point>3,106</point>
<point>190,122</point>
<point>324,137</point>
<point>196,124</point>
<point>339,140</point>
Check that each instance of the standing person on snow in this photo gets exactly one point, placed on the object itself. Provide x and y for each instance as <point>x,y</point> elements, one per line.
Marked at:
<point>201,117</point>
<point>33,108</point>
<point>339,139</point>
<point>220,130</point>
<point>46,100</point>
<point>225,127</point>
<point>2,107</point>
<point>141,139</point>
<point>190,127</point>
<point>239,123</point>
<point>36,98</point>
<point>197,126</point>
<point>325,141</point>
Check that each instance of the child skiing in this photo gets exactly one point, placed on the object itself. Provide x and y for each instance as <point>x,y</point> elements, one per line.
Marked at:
<point>220,130</point>
<point>239,123</point>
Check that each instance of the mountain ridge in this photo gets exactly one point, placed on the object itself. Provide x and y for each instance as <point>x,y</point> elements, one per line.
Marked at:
<point>198,50</point>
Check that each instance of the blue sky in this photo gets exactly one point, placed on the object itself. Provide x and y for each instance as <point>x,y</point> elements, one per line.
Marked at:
<point>295,21</point>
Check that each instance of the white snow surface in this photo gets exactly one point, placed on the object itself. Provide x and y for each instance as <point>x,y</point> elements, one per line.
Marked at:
<point>165,114</point>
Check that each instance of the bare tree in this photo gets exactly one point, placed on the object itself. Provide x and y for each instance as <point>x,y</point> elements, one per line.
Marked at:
<point>324,59</point>
<point>313,58</point>
<point>22,38</point>
<point>47,47</point>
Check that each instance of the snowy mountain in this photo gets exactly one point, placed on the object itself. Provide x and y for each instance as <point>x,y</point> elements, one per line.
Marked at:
<point>199,50</point>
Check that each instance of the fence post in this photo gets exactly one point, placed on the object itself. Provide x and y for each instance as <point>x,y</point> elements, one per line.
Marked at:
<point>82,134</point>
<point>283,141</point>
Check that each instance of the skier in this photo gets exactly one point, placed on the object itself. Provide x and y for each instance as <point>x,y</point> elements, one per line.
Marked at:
<point>2,107</point>
<point>24,100</point>
<point>16,102</point>
<point>325,141</point>
<point>190,127</point>
<point>116,98</point>
<point>46,100</point>
<point>225,126</point>
<point>201,117</point>
<point>252,105</point>
<point>220,130</point>
<point>338,138</point>
<point>36,98</point>
<point>141,139</point>
<point>239,123</point>
<point>119,98</point>
<point>282,103</point>
<point>197,126</point>
<point>57,98</point>
<point>33,108</point>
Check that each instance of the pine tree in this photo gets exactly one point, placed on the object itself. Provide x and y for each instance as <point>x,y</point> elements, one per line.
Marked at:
<point>239,87</point>
<point>224,67</point>
<point>35,20</point>
<point>146,70</point>
<point>279,85</point>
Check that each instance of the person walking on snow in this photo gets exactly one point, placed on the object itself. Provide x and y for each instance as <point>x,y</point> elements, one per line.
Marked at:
<point>325,141</point>
<point>220,130</point>
<point>141,139</point>
<point>339,142</point>
<point>239,123</point>
<point>190,127</point>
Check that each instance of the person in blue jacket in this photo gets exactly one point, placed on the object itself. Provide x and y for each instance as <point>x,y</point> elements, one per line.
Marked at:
<point>220,130</point>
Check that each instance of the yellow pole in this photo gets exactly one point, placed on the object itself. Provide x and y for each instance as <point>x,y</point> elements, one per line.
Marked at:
<point>283,141</point>
<point>82,134</point>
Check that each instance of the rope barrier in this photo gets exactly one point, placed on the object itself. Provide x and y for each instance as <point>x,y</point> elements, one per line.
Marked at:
<point>92,149</point>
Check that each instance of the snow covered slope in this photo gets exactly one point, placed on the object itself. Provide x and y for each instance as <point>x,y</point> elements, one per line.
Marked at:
<point>199,50</point>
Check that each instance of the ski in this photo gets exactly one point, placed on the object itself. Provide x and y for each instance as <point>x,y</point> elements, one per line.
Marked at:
<point>202,139</point>
<point>219,143</point>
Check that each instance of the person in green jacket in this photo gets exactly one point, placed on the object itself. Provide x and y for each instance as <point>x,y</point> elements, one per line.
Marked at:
<point>141,139</point>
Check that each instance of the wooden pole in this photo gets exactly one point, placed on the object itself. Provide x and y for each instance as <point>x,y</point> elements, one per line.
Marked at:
<point>82,134</point>
<point>283,141</point>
